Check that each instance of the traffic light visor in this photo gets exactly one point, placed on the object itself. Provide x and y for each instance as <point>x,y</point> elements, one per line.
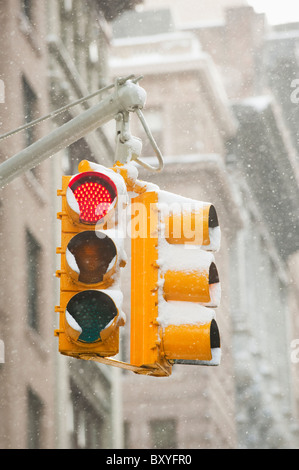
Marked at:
<point>90,196</point>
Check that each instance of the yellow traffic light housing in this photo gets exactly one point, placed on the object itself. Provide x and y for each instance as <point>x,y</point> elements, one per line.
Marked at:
<point>174,283</point>
<point>91,257</point>
<point>174,280</point>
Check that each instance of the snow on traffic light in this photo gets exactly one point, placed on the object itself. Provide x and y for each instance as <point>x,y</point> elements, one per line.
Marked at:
<point>175,283</point>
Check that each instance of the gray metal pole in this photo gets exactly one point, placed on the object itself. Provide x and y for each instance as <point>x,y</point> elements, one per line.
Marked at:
<point>126,97</point>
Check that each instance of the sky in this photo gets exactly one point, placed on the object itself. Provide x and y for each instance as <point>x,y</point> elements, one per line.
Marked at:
<point>277,11</point>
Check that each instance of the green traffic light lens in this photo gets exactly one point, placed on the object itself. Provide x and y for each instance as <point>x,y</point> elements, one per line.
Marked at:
<point>92,311</point>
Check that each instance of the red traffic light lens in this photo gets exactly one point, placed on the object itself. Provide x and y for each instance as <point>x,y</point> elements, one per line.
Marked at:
<point>94,193</point>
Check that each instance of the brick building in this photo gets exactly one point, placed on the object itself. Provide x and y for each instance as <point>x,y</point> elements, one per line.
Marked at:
<point>52,54</point>
<point>26,325</point>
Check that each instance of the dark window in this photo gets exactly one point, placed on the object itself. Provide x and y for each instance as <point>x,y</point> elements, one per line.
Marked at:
<point>78,151</point>
<point>30,103</point>
<point>33,252</point>
<point>127,432</point>
<point>35,412</point>
<point>27,9</point>
<point>88,424</point>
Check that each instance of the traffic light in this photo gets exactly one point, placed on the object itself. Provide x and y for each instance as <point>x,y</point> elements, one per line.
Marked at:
<point>92,254</point>
<point>174,283</point>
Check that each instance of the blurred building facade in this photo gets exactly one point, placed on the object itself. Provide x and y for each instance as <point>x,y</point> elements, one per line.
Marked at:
<point>52,53</point>
<point>26,318</point>
<point>228,114</point>
<point>78,40</point>
<point>194,408</point>
<point>262,160</point>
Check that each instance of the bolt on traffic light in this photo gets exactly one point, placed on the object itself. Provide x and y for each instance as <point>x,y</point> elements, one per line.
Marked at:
<point>174,283</point>
<point>91,257</point>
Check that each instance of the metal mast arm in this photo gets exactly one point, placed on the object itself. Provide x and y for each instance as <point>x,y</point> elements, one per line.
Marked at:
<point>128,96</point>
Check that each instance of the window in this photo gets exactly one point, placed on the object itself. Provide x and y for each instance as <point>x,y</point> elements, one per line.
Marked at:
<point>76,152</point>
<point>127,432</point>
<point>33,253</point>
<point>88,424</point>
<point>35,412</point>
<point>30,103</point>
<point>163,434</point>
<point>26,6</point>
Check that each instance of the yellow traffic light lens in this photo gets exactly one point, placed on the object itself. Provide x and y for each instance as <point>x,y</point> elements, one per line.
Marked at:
<point>90,256</point>
<point>94,194</point>
<point>90,312</point>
